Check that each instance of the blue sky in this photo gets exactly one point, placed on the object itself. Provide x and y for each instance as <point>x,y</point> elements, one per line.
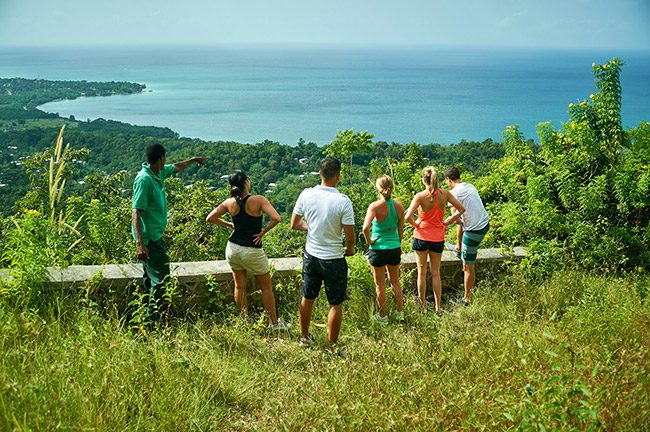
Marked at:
<point>619,24</point>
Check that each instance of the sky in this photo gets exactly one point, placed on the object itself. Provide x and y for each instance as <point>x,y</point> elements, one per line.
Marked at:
<point>582,24</point>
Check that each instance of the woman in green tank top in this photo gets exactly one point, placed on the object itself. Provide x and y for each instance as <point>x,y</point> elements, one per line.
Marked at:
<point>386,217</point>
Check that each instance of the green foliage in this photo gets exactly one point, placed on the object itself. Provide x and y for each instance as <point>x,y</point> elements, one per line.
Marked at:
<point>188,236</point>
<point>31,243</point>
<point>115,127</point>
<point>346,144</point>
<point>282,241</point>
<point>41,238</point>
<point>216,299</point>
<point>587,190</point>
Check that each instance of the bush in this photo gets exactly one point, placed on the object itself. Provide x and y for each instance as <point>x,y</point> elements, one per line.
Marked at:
<point>588,189</point>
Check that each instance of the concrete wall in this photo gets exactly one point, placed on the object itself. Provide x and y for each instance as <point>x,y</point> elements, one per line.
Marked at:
<point>117,282</point>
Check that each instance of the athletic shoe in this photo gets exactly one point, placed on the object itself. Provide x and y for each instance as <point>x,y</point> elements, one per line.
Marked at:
<point>461,302</point>
<point>336,353</point>
<point>452,247</point>
<point>280,326</point>
<point>306,342</point>
<point>440,313</point>
<point>380,319</point>
<point>399,316</point>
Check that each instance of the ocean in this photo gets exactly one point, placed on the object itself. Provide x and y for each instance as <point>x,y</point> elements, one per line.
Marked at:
<point>433,95</point>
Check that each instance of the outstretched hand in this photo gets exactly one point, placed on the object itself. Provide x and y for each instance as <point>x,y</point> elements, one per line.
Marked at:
<point>200,160</point>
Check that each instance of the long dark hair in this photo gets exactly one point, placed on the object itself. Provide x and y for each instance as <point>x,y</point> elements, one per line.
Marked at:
<point>237,180</point>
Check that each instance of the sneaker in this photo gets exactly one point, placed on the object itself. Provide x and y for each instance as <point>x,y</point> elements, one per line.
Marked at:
<point>452,247</point>
<point>440,313</point>
<point>461,302</point>
<point>336,353</point>
<point>306,342</point>
<point>280,326</point>
<point>399,316</point>
<point>380,319</point>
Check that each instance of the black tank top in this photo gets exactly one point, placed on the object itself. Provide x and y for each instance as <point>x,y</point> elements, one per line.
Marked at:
<point>246,226</point>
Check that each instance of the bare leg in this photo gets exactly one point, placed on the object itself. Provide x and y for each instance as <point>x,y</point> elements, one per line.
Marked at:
<point>305,310</point>
<point>470,279</point>
<point>334,324</point>
<point>379,275</point>
<point>435,277</point>
<point>240,277</point>
<point>421,261</point>
<point>268,299</point>
<point>396,286</point>
<point>459,237</point>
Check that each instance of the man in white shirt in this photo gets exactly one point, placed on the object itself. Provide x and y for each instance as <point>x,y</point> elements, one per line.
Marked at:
<point>325,214</point>
<point>475,223</point>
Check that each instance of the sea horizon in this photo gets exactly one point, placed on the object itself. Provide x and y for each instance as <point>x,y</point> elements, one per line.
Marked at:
<point>427,95</point>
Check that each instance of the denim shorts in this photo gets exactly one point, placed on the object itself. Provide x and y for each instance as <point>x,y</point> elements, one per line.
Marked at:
<point>332,272</point>
<point>422,246</point>
<point>383,257</point>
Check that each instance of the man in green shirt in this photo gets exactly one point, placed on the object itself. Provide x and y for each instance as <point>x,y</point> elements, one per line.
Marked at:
<point>149,219</point>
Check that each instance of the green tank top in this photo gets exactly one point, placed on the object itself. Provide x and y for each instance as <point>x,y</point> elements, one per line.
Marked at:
<point>386,231</point>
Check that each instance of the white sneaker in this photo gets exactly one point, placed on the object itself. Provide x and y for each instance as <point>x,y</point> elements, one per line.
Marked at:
<point>452,247</point>
<point>306,342</point>
<point>279,326</point>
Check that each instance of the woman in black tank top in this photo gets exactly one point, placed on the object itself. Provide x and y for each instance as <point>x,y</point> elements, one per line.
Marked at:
<point>244,251</point>
<point>245,226</point>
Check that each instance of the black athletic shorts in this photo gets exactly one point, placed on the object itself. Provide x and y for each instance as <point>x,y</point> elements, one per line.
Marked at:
<point>332,272</point>
<point>382,257</point>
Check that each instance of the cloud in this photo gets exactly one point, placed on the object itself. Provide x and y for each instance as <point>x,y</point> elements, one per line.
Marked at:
<point>512,19</point>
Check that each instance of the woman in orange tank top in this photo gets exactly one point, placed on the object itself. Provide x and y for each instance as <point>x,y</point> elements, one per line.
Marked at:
<point>429,234</point>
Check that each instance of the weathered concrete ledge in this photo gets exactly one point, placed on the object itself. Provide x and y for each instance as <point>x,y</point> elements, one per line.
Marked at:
<point>117,281</point>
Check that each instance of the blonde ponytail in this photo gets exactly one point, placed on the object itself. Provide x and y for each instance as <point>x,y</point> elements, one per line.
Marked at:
<point>384,186</point>
<point>430,176</point>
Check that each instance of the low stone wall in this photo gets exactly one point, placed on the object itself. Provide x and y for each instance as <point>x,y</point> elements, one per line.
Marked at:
<point>117,281</point>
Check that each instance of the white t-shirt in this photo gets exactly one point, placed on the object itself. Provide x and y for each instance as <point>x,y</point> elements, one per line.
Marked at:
<point>325,211</point>
<point>475,216</point>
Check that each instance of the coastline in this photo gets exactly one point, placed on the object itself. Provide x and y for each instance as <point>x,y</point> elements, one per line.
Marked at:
<point>422,95</point>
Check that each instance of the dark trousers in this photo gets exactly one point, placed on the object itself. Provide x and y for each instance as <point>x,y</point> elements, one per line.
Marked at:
<point>156,275</point>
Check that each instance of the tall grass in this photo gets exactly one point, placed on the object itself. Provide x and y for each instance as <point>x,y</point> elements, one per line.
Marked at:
<point>567,353</point>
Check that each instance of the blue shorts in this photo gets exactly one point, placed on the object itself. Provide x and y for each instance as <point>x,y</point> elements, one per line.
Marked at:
<point>332,272</point>
<point>423,245</point>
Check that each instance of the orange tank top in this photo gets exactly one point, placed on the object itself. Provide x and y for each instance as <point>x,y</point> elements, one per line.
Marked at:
<point>431,227</point>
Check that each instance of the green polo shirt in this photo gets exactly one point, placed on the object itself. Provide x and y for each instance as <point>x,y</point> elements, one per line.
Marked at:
<point>149,196</point>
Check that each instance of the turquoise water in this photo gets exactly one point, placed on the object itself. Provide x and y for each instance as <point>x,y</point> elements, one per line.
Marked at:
<point>249,95</point>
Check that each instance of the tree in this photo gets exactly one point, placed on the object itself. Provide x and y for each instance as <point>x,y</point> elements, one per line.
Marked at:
<point>349,142</point>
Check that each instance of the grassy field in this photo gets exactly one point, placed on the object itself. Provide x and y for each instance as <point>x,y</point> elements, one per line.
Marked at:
<point>567,353</point>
